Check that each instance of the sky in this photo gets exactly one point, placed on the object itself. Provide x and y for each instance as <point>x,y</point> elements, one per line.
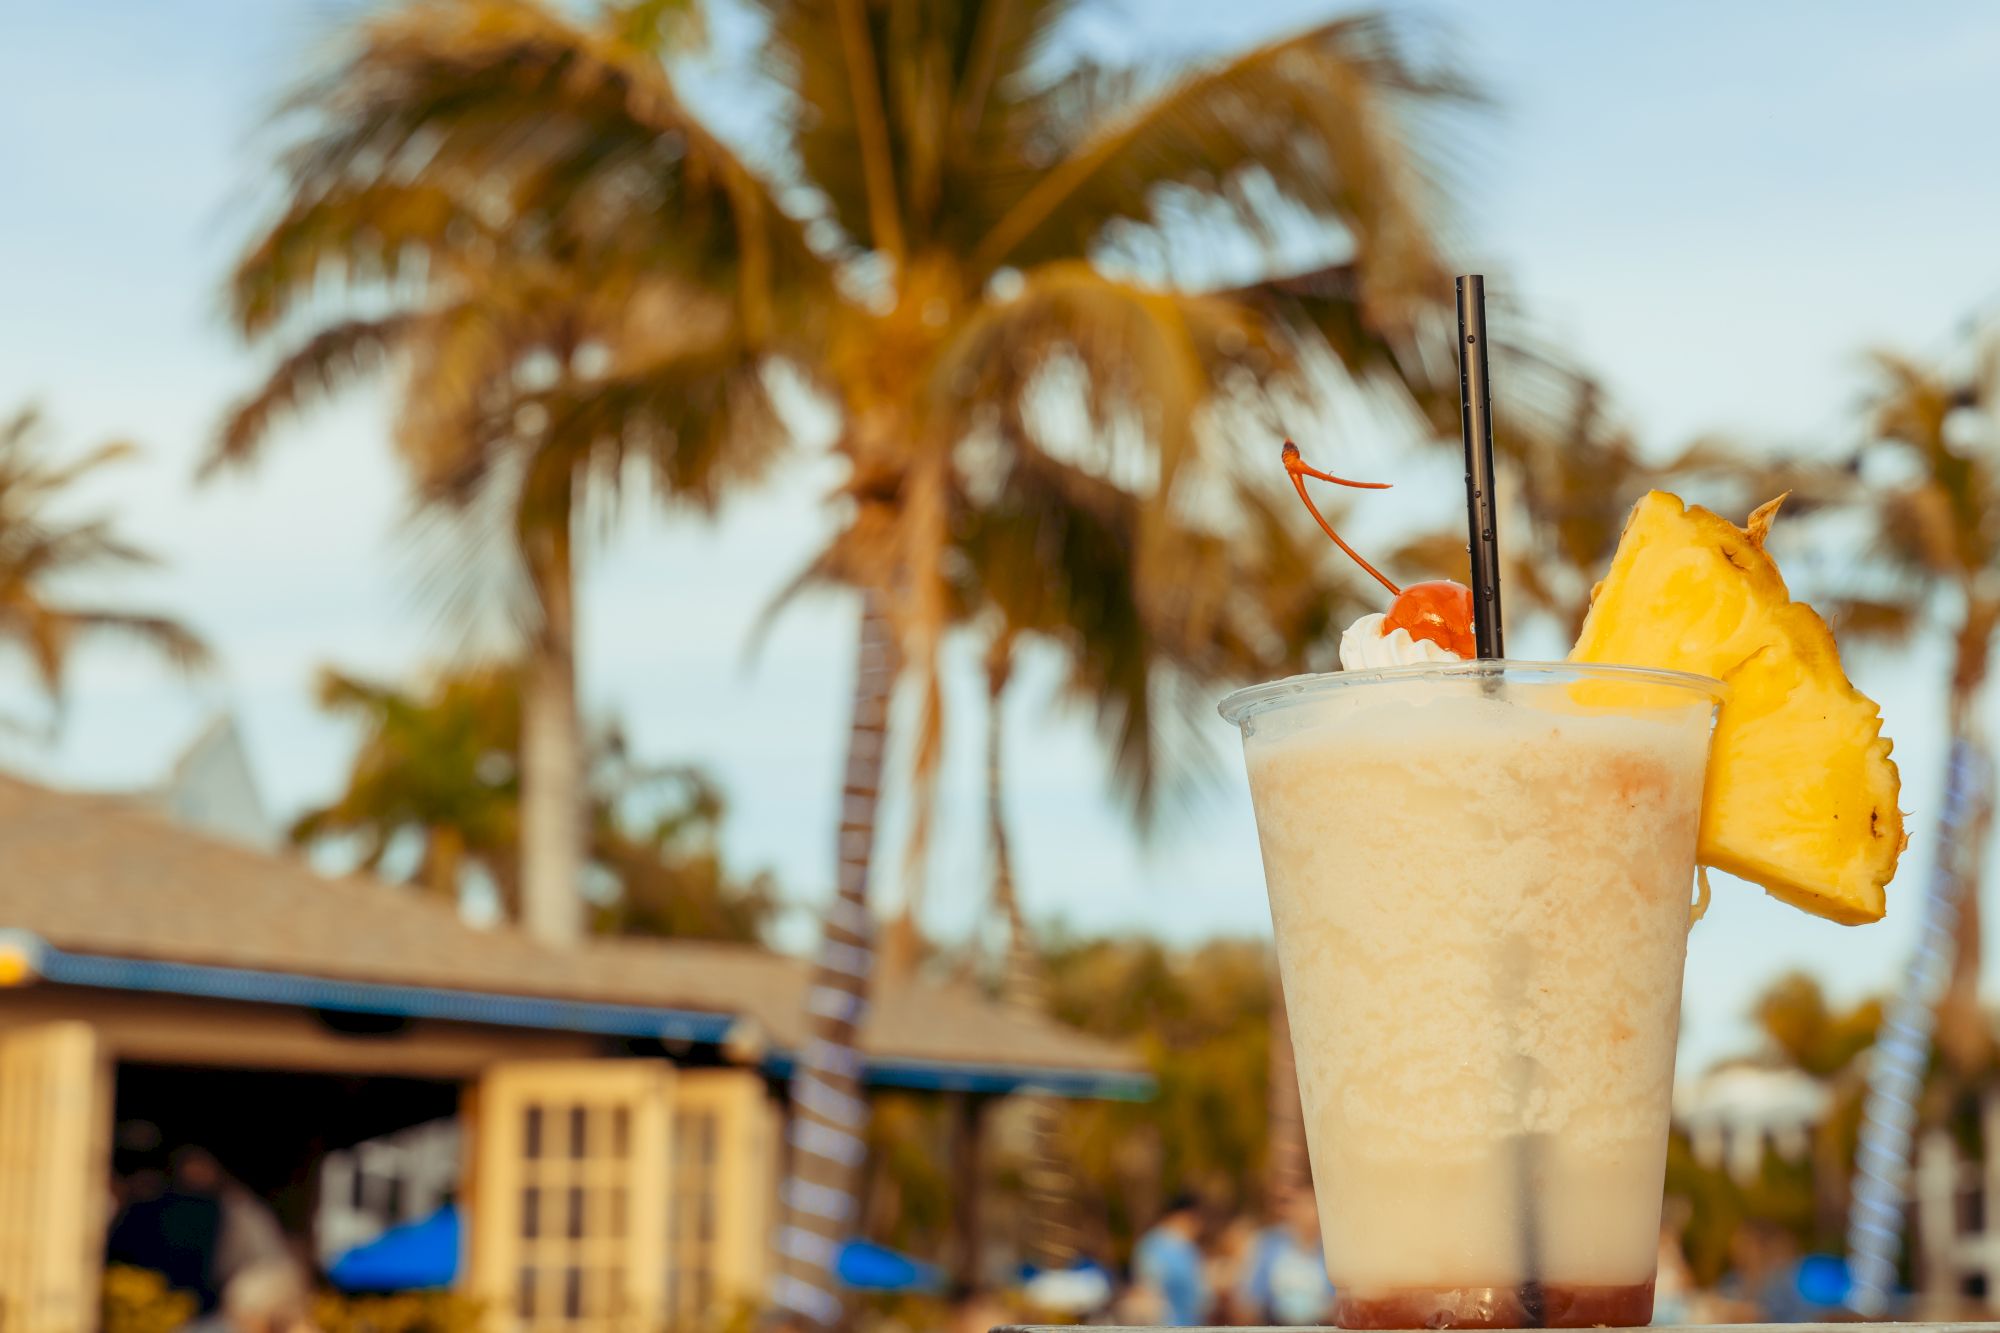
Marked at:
<point>1716,207</point>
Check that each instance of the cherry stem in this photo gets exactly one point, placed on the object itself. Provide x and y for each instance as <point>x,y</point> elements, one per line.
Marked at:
<point>1298,469</point>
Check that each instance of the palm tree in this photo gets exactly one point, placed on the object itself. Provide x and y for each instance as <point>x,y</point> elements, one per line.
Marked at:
<point>42,549</point>
<point>1011,229</point>
<point>1925,485</point>
<point>445,182</point>
<point>998,228</point>
<point>1933,502</point>
<point>436,773</point>
<point>435,782</point>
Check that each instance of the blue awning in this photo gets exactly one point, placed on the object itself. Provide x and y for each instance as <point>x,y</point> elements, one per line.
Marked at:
<point>417,1256</point>
<point>257,986</point>
<point>862,1265</point>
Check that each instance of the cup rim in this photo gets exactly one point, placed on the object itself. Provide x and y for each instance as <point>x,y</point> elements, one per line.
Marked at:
<point>1253,699</point>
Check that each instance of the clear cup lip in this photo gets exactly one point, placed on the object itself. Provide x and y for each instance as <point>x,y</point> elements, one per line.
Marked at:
<point>1254,699</point>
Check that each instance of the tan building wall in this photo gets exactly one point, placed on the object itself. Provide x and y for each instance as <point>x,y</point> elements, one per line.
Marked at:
<point>631,1194</point>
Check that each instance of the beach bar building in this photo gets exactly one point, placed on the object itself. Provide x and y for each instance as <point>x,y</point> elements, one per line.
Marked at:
<point>620,1106</point>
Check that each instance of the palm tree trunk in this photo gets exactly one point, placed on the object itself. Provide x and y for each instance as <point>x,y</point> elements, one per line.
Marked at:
<point>829,1107</point>
<point>1050,1233</point>
<point>551,746</point>
<point>444,862</point>
<point>1963,1036</point>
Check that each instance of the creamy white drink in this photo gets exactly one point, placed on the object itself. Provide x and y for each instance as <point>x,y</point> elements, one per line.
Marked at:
<point>1480,880</point>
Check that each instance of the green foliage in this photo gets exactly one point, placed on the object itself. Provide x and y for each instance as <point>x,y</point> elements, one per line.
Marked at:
<point>406,1312</point>
<point>137,1300</point>
<point>1807,1198</point>
<point>1810,1035</point>
<point>909,1197</point>
<point>1203,1020</point>
<point>1782,1194</point>
<point>439,769</point>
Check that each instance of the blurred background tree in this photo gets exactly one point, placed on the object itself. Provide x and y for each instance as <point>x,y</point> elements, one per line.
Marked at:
<point>1925,480</point>
<point>995,225</point>
<point>447,180</point>
<point>998,272</point>
<point>1203,1018</point>
<point>434,794</point>
<point>1807,1197</point>
<point>44,549</point>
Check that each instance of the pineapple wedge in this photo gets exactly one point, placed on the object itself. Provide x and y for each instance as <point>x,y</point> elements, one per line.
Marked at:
<point>1801,794</point>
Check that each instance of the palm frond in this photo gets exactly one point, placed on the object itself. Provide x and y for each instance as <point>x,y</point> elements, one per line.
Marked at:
<point>1883,621</point>
<point>935,101</point>
<point>1148,357</point>
<point>578,139</point>
<point>180,646</point>
<point>700,420</point>
<point>38,550</point>
<point>658,27</point>
<point>1008,38</point>
<point>1322,126</point>
<point>41,478</point>
<point>366,232</point>
<point>1327,308</point>
<point>324,364</point>
<point>32,551</point>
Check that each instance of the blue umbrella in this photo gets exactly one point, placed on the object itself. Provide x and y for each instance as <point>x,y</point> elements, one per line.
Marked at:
<point>1823,1280</point>
<point>415,1256</point>
<point>865,1266</point>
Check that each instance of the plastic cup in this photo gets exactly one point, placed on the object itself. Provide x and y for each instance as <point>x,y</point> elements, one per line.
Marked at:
<point>1480,879</point>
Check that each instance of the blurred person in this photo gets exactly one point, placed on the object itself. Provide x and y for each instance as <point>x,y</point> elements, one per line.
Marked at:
<point>263,1298</point>
<point>1762,1285</point>
<point>1285,1280</point>
<point>1074,1293</point>
<point>251,1235</point>
<point>1673,1283</point>
<point>975,1310</point>
<point>1167,1274</point>
<point>171,1224</point>
<point>1226,1264</point>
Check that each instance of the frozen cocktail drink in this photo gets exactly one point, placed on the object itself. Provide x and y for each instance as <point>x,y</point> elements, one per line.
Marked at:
<point>1480,877</point>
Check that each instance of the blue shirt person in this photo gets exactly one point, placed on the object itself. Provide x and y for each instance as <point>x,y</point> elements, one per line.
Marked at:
<point>1167,1264</point>
<point>1285,1281</point>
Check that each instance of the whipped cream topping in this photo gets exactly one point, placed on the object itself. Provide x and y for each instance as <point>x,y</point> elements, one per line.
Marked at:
<point>1364,646</point>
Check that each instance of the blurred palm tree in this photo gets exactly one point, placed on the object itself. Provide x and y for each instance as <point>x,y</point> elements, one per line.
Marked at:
<point>1919,500</point>
<point>1019,231</point>
<point>42,550</point>
<point>1927,483</point>
<point>1802,1031</point>
<point>435,783</point>
<point>449,181</point>
<point>436,773</point>
<point>1003,229</point>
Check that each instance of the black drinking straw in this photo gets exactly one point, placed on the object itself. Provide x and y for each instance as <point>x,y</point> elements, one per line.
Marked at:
<point>1475,420</point>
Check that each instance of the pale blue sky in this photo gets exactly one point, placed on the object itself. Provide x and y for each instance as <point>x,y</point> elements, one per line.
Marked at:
<point>1715,205</point>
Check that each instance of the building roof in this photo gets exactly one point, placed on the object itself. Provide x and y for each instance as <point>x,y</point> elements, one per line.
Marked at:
<point>109,893</point>
<point>211,787</point>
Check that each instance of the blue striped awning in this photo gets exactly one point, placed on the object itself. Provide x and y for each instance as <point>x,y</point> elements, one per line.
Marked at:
<point>24,957</point>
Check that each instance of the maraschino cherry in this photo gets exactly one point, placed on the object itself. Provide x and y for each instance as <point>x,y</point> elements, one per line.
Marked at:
<point>1439,610</point>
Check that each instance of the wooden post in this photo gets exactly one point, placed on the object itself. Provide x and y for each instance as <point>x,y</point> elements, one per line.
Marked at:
<point>1935,1182</point>
<point>968,1126</point>
<point>55,1159</point>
